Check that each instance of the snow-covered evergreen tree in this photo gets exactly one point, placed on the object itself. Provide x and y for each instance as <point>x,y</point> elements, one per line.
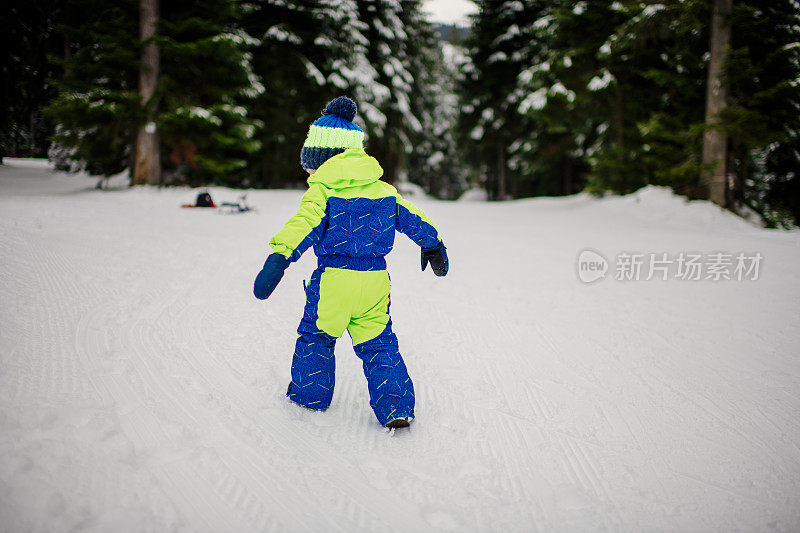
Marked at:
<point>205,133</point>
<point>657,91</point>
<point>763,119</point>
<point>294,46</point>
<point>27,40</point>
<point>97,109</point>
<point>493,123</point>
<point>381,56</point>
<point>352,69</point>
<point>621,92</point>
<point>436,161</point>
<point>383,81</point>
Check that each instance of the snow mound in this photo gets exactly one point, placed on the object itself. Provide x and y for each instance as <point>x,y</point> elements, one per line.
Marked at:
<point>475,194</point>
<point>661,206</point>
<point>26,162</point>
<point>412,190</point>
<point>650,206</point>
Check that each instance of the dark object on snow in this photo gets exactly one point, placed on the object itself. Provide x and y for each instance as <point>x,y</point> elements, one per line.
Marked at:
<point>270,275</point>
<point>203,200</point>
<point>399,423</point>
<point>437,256</point>
<point>236,207</point>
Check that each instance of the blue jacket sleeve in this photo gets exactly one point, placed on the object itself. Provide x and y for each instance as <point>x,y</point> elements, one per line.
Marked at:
<point>413,222</point>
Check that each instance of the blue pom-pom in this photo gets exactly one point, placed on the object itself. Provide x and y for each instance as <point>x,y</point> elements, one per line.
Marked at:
<point>342,107</point>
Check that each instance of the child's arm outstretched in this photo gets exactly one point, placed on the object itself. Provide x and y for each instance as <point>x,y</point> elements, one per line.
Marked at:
<point>303,230</point>
<point>412,221</point>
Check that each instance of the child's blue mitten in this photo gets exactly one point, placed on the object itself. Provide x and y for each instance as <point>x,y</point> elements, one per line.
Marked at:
<point>270,275</point>
<point>437,257</point>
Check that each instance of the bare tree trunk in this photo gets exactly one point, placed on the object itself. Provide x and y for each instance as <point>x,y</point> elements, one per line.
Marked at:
<point>32,140</point>
<point>501,170</point>
<point>278,178</point>
<point>715,142</point>
<point>566,182</point>
<point>147,168</point>
<point>620,124</point>
<point>736,192</point>
<point>67,55</point>
<point>389,162</point>
<point>264,166</point>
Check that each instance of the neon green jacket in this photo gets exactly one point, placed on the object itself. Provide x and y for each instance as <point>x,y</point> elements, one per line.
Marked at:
<point>349,216</point>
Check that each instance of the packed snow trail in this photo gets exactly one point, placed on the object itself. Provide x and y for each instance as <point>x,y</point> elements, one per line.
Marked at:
<point>143,385</point>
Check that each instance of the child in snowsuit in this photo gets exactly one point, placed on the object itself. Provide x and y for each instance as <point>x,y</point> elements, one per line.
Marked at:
<point>349,216</point>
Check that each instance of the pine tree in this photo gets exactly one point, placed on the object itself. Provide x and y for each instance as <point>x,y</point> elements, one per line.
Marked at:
<point>384,83</point>
<point>351,70</point>
<point>638,73</point>
<point>435,160</point>
<point>671,130</point>
<point>293,48</point>
<point>614,95</point>
<point>384,54</point>
<point>762,120</point>
<point>563,85</point>
<point>206,79</point>
<point>25,73</point>
<point>204,133</point>
<point>494,123</point>
<point>97,110</point>
<point>654,58</point>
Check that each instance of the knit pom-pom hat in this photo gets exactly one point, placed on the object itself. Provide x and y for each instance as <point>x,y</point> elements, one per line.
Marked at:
<point>332,133</point>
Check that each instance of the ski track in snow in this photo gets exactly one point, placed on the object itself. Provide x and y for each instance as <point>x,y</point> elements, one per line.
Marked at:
<point>143,385</point>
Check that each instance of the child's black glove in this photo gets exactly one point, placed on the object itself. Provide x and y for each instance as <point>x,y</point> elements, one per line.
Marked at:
<point>437,257</point>
<point>270,275</point>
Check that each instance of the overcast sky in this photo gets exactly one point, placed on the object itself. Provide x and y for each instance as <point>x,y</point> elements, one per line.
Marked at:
<point>450,11</point>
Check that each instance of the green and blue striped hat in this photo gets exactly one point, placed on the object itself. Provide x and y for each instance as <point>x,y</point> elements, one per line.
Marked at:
<point>332,133</point>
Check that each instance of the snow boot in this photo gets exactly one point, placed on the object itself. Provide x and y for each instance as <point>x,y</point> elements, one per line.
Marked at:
<point>403,422</point>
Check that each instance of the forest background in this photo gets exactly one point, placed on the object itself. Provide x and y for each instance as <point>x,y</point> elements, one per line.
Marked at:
<point>530,98</point>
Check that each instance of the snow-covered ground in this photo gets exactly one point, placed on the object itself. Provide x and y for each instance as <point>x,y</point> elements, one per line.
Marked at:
<point>141,384</point>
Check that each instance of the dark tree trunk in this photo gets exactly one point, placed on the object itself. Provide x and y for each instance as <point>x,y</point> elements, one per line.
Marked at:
<point>148,158</point>
<point>32,139</point>
<point>620,123</point>
<point>566,184</point>
<point>389,163</point>
<point>501,170</point>
<point>67,55</point>
<point>715,142</point>
<point>263,175</point>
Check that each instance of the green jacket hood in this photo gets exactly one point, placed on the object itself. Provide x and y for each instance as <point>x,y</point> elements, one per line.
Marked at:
<point>351,168</point>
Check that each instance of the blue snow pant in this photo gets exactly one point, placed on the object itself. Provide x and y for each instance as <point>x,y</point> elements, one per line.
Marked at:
<point>339,299</point>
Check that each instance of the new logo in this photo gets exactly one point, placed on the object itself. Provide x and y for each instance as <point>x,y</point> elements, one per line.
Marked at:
<point>591,266</point>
